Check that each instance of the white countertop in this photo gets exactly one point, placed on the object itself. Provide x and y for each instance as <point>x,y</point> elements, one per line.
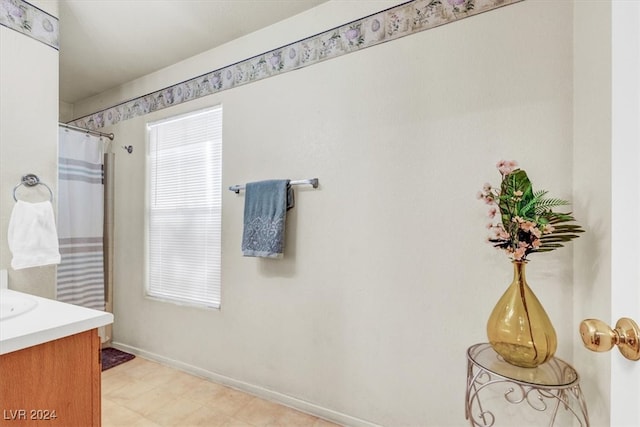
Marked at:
<point>48,321</point>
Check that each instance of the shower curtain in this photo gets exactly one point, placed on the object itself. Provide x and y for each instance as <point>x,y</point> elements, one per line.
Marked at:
<point>81,277</point>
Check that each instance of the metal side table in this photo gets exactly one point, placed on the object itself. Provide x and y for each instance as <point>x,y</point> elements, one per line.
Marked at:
<point>548,388</point>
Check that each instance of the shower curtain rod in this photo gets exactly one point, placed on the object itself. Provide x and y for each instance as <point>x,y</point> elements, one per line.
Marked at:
<point>111,136</point>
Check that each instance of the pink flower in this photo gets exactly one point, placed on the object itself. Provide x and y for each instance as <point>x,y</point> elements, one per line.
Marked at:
<point>487,196</point>
<point>530,227</point>
<point>519,253</point>
<point>527,225</point>
<point>506,166</point>
<point>500,232</point>
<point>536,232</point>
<point>492,212</point>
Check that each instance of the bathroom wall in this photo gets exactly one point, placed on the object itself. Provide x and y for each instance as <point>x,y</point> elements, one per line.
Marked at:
<point>592,193</point>
<point>28,135</point>
<point>387,277</point>
<point>66,112</point>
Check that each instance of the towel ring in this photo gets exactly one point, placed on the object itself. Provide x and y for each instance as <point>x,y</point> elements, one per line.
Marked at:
<point>31,180</point>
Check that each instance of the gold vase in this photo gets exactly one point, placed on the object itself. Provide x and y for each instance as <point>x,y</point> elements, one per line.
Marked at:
<point>519,329</point>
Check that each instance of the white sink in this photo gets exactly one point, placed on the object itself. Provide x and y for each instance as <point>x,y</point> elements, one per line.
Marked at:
<point>13,304</point>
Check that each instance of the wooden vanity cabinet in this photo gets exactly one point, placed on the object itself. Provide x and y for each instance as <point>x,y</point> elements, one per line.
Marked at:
<point>52,384</point>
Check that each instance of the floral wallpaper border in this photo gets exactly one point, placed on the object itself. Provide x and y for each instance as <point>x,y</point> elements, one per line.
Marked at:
<point>31,21</point>
<point>399,21</point>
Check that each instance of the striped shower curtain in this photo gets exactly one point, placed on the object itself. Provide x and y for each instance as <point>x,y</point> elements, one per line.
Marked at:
<point>80,219</point>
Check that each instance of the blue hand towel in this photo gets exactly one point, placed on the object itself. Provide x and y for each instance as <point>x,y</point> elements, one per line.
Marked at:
<point>265,209</point>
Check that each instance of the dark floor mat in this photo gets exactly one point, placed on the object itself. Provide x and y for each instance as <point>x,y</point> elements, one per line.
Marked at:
<point>113,357</point>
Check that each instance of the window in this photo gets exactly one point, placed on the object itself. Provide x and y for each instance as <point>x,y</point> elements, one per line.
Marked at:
<point>185,208</point>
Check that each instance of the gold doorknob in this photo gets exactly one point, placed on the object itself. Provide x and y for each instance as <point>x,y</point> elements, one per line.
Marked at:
<point>598,336</point>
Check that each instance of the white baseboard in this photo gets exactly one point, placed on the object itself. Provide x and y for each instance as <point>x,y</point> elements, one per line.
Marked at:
<point>274,396</point>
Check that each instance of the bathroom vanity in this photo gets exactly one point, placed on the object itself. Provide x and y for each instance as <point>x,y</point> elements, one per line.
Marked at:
<point>49,362</point>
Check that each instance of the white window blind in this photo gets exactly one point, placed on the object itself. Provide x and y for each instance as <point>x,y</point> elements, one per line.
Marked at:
<point>185,208</point>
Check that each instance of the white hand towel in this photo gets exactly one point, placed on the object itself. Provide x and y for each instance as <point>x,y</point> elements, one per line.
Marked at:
<point>32,235</point>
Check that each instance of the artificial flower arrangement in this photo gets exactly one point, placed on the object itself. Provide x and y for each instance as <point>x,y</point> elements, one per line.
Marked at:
<point>523,220</point>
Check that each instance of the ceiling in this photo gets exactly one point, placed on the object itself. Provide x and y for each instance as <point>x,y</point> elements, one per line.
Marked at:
<point>105,43</point>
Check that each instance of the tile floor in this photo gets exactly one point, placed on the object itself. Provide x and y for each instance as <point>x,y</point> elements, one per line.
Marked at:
<point>142,393</point>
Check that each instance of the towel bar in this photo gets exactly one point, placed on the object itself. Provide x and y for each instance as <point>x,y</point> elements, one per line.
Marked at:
<point>311,181</point>
<point>31,180</point>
